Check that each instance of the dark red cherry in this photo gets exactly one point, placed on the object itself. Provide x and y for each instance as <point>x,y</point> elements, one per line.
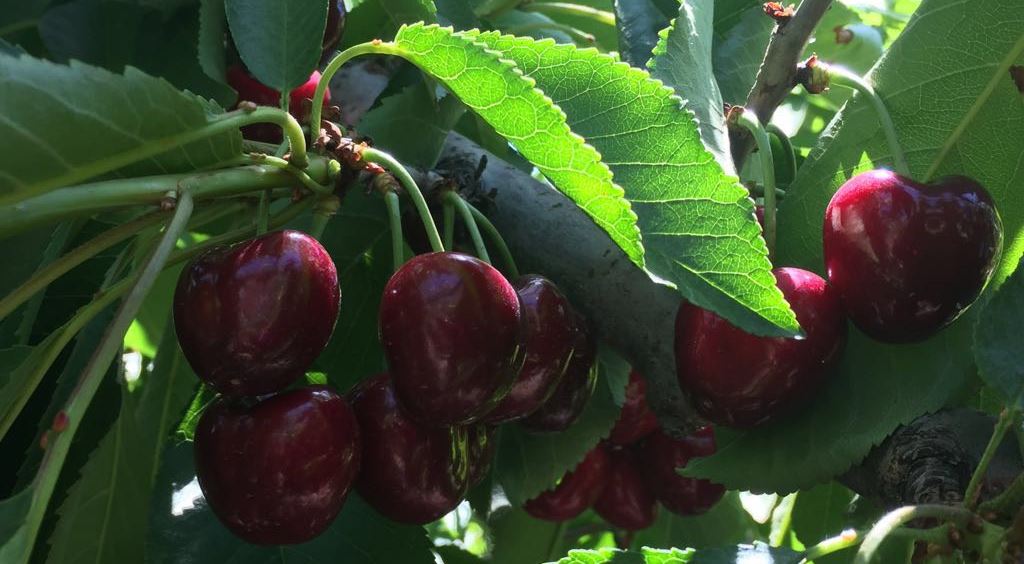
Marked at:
<point>636,420</point>
<point>741,380</point>
<point>569,399</point>
<point>660,456</point>
<point>251,90</point>
<point>550,334</point>
<point>627,501</point>
<point>412,473</point>
<point>452,331</point>
<point>335,25</point>
<point>278,472</point>
<point>577,491</point>
<point>908,258</point>
<point>482,440</point>
<point>252,317</point>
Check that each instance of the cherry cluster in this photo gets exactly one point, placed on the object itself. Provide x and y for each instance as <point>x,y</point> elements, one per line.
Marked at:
<point>625,477</point>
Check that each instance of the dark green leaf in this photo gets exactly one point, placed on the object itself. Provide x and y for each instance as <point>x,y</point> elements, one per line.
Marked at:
<point>616,556</point>
<point>527,463</point>
<point>697,222</point>
<point>451,554</point>
<point>997,347</point>
<point>89,121</point>
<point>410,11</point>
<point>13,535</point>
<point>757,553</point>
<point>639,22</point>
<point>822,512</point>
<point>279,40</point>
<point>12,50</point>
<point>212,28</point>
<point>414,109</point>
<point>531,24</point>
<point>183,530</point>
<point>458,13</point>
<point>974,118</point>
<point>726,523</point>
<point>741,37</point>
<point>518,538</point>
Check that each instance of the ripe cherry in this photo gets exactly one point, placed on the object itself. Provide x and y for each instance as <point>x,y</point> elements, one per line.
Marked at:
<point>452,331</point>
<point>278,472</point>
<point>577,490</point>
<point>481,440</point>
<point>660,456</point>
<point>569,399</point>
<point>636,420</point>
<point>252,317</point>
<point>414,474</point>
<point>550,332</point>
<point>908,258</point>
<point>627,501</point>
<point>741,380</point>
<point>251,90</point>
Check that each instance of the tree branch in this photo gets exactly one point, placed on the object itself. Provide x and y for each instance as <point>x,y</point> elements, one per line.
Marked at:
<point>778,69</point>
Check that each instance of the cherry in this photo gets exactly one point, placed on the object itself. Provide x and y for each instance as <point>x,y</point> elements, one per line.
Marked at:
<point>278,472</point>
<point>252,317</point>
<point>335,26</point>
<point>660,456</point>
<point>636,420</point>
<point>251,90</point>
<point>577,490</point>
<point>451,327</point>
<point>627,502</point>
<point>550,332</point>
<point>481,441</point>
<point>569,399</point>
<point>908,258</point>
<point>414,474</point>
<point>742,380</point>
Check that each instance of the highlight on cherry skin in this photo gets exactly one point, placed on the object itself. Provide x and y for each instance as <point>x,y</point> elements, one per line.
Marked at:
<point>567,402</point>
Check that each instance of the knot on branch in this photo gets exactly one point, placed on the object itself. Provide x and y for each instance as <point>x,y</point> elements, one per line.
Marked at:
<point>923,465</point>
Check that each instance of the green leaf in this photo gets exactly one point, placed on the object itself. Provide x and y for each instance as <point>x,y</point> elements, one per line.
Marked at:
<point>413,109</point>
<point>410,11</point>
<point>458,13</point>
<point>14,536</point>
<point>183,530</point>
<point>495,89</point>
<point>451,554</point>
<point>89,124</point>
<point>997,347</point>
<point>697,222</point>
<point>741,37</point>
<point>517,537</point>
<point>682,60</point>
<point>741,554</point>
<point>105,513</point>
<point>638,22</point>
<point>212,27</point>
<point>616,556</point>
<point>822,512</point>
<point>279,40</point>
<point>974,119</point>
<point>725,523</point>
<point>528,463</point>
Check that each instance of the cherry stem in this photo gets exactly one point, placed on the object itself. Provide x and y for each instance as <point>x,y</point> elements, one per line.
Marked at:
<point>566,9</point>
<point>449,224</point>
<point>1006,419</point>
<point>301,175</point>
<point>497,239</point>
<point>324,210</point>
<point>579,36</point>
<point>396,168</point>
<point>263,212</point>
<point>899,517</point>
<point>395,219</point>
<point>787,149</point>
<point>844,77</point>
<point>764,152</point>
<point>93,373</point>
<point>467,217</point>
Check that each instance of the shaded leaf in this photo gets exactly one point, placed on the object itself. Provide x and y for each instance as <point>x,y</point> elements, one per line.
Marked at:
<point>413,109</point>
<point>458,13</point>
<point>213,25</point>
<point>725,523</point>
<point>745,553</point>
<point>741,37</point>
<point>410,11</point>
<point>639,22</point>
<point>279,40</point>
<point>519,538</point>
<point>997,347</point>
<point>14,536</point>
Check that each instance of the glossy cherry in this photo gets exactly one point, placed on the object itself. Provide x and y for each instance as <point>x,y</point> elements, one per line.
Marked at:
<point>252,317</point>
<point>577,491</point>
<point>627,502</point>
<point>482,441</point>
<point>660,456</point>
<point>251,90</point>
<point>550,336</point>
<point>278,472</point>
<point>908,258</point>
<point>452,331</point>
<point>569,399</point>
<point>636,420</point>
<point>741,380</point>
<point>413,473</point>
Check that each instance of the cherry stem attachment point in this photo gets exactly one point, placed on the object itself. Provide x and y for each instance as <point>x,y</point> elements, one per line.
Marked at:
<point>395,220</point>
<point>764,152</point>
<point>1006,419</point>
<point>467,217</point>
<point>497,239</point>
<point>396,168</point>
<point>844,77</point>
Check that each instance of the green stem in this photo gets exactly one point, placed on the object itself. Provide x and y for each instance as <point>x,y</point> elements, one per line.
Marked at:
<point>449,224</point>
<point>764,152</point>
<point>150,148</point>
<point>467,218</point>
<point>86,199</point>
<point>263,212</point>
<point>395,218</point>
<point>899,517</point>
<point>372,155</point>
<point>847,539</point>
<point>566,9</point>
<point>788,155</point>
<point>322,213</point>
<point>299,174</point>
<point>92,375</point>
<point>497,239</point>
<point>1006,419</point>
<point>843,77</point>
<point>556,542</point>
<point>578,35</point>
